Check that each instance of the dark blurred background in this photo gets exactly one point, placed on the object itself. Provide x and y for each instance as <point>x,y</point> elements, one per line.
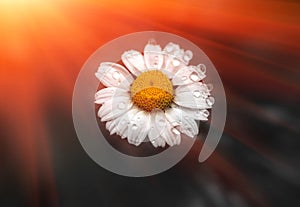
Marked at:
<point>255,48</point>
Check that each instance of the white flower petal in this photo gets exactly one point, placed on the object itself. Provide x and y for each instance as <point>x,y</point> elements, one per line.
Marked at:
<point>162,132</point>
<point>110,125</point>
<point>153,56</point>
<point>113,125</point>
<point>171,135</point>
<point>194,96</point>
<point>161,142</point>
<point>188,74</point>
<point>197,114</point>
<point>188,55</point>
<point>115,107</point>
<point>120,124</point>
<point>158,122</point>
<point>112,74</point>
<point>176,136</point>
<point>138,128</point>
<point>185,123</point>
<point>173,49</point>
<point>154,142</point>
<point>134,61</point>
<point>121,128</point>
<point>176,58</point>
<point>176,51</point>
<point>172,65</point>
<point>106,94</point>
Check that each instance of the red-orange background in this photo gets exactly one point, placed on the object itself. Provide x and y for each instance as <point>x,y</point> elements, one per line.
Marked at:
<point>43,44</point>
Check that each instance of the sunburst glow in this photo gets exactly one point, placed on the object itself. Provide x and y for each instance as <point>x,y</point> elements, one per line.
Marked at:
<point>253,44</point>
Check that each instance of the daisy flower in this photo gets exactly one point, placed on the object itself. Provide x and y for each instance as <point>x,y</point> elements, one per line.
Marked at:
<point>157,95</point>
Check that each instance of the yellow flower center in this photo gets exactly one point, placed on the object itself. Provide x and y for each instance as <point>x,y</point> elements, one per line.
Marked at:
<point>152,90</point>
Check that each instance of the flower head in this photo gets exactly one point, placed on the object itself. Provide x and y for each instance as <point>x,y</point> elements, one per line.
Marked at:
<point>156,95</point>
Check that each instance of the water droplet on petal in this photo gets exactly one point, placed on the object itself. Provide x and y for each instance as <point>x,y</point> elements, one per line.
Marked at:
<point>179,53</point>
<point>162,122</point>
<point>210,100</point>
<point>204,94</point>
<point>197,94</point>
<point>122,105</point>
<point>176,63</point>
<point>194,77</point>
<point>210,87</point>
<point>186,58</point>
<point>205,113</point>
<point>134,127</point>
<point>202,68</point>
<point>116,75</point>
<point>183,78</point>
<point>189,54</point>
<point>169,48</point>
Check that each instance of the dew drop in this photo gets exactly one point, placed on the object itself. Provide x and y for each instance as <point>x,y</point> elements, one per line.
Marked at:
<point>176,63</point>
<point>204,94</point>
<point>205,113</point>
<point>169,48</point>
<point>189,54</point>
<point>183,78</point>
<point>197,94</point>
<point>210,87</point>
<point>134,127</point>
<point>161,122</point>
<point>202,68</point>
<point>194,77</point>
<point>121,105</point>
<point>155,63</point>
<point>179,53</point>
<point>186,58</point>
<point>116,75</point>
<point>210,100</point>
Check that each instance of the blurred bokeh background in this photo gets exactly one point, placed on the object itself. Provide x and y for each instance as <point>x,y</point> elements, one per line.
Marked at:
<point>255,47</point>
